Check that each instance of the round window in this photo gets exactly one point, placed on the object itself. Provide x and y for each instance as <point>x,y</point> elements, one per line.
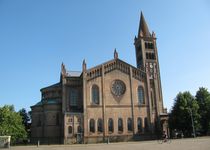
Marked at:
<point>118,88</point>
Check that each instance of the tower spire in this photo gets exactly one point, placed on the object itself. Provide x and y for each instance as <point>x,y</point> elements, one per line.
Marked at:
<point>84,65</point>
<point>143,28</point>
<point>115,54</point>
<point>63,69</point>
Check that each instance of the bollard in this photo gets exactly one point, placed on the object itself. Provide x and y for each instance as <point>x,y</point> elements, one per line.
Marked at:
<point>9,142</point>
<point>182,135</point>
<point>38,143</point>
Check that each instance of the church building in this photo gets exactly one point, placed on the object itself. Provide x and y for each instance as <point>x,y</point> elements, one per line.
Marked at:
<point>113,101</point>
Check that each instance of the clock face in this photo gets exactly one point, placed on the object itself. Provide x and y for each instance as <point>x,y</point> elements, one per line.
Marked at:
<point>151,65</point>
<point>118,88</point>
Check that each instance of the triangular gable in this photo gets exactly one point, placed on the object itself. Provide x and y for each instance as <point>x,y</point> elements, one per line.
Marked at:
<point>115,64</point>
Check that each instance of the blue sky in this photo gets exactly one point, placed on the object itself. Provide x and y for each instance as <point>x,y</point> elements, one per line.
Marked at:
<point>37,36</point>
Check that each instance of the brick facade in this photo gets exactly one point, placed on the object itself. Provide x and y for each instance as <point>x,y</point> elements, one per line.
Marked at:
<point>113,101</point>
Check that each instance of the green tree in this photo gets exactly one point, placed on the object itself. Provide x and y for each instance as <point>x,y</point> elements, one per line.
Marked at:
<point>203,99</point>
<point>25,117</point>
<point>11,124</point>
<point>180,116</point>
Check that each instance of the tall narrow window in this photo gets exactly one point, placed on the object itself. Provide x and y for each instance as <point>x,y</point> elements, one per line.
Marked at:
<point>73,97</point>
<point>92,125</point>
<point>149,45</point>
<point>100,125</point>
<point>140,95</point>
<point>79,129</point>
<point>57,119</point>
<point>146,127</point>
<point>129,124</point>
<point>111,125</point>
<point>146,45</point>
<point>95,94</point>
<point>139,124</point>
<point>152,99</point>
<point>120,125</point>
<point>70,129</point>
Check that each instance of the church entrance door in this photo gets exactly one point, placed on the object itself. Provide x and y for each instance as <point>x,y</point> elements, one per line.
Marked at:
<point>79,138</point>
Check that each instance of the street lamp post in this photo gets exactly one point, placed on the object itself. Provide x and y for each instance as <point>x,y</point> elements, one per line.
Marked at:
<point>192,122</point>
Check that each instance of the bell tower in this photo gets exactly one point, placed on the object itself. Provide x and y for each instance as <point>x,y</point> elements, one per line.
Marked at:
<point>147,60</point>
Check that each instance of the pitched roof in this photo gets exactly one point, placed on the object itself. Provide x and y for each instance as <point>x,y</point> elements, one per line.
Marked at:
<point>51,86</point>
<point>74,73</point>
<point>48,101</point>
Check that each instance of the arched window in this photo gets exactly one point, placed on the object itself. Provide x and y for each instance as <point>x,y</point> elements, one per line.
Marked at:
<point>140,95</point>
<point>146,127</point>
<point>74,96</point>
<point>79,129</point>
<point>95,94</point>
<point>111,125</point>
<point>92,125</point>
<point>129,124</point>
<point>120,125</point>
<point>139,124</point>
<point>70,130</point>
<point>100,125</point>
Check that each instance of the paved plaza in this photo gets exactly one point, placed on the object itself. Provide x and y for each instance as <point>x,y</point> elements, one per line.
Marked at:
<point>179,144</point>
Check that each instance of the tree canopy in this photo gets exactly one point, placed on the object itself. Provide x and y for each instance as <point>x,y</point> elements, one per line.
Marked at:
<point>184,104</point>
<point>180,116</point>
<point>11,124</point>
<point>25,117</point>
<point>203,99</point>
